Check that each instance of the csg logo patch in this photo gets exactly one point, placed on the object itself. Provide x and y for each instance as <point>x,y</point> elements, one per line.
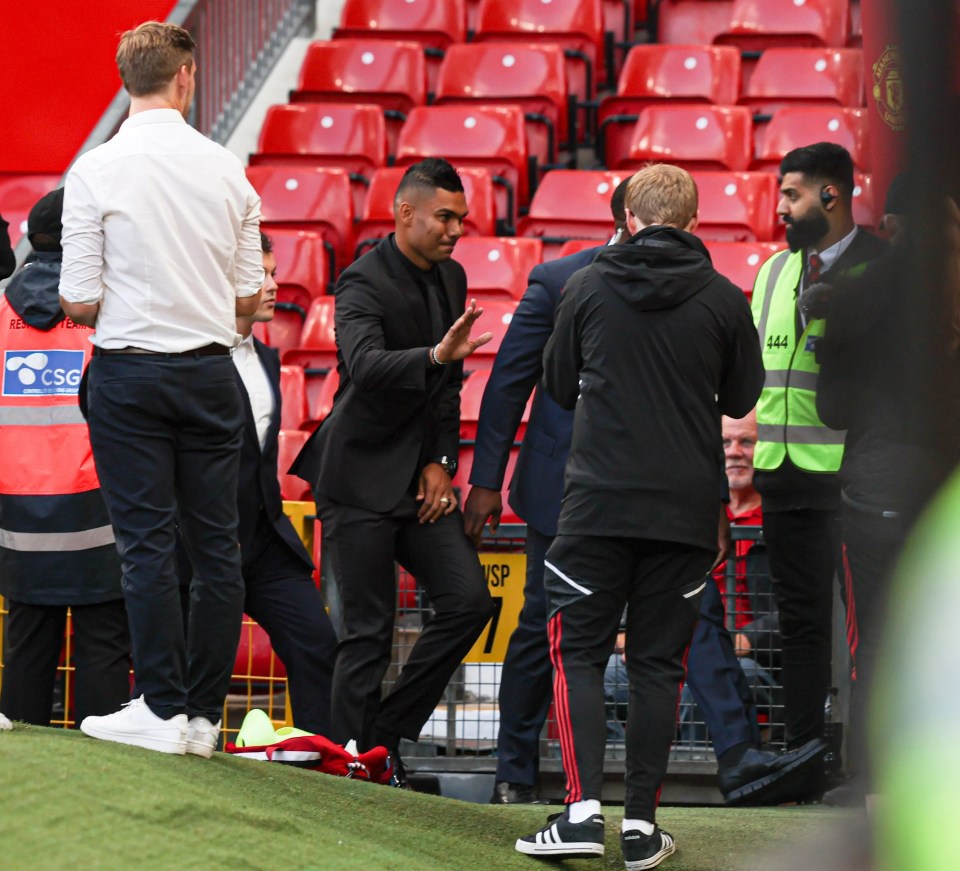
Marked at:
<point>41,373</point>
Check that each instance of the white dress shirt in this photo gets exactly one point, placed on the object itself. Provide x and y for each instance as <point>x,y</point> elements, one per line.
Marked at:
<point>257,384</point>
<point>161,227</point>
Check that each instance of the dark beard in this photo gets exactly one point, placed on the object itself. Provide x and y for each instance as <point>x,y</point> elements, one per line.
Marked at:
<point>805,232</point>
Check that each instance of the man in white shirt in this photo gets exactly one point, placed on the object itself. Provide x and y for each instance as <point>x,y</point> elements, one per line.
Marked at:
<point>161,252</point>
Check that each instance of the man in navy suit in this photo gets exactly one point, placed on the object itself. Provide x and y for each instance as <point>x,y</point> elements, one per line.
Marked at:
<point>277,569</point>
<point>749,775</point>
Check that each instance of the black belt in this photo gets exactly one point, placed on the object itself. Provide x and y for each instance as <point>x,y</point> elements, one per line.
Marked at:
<point>214,349</point>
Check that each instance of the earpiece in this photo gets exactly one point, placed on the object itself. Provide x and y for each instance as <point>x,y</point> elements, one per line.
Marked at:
<point>826,197</point>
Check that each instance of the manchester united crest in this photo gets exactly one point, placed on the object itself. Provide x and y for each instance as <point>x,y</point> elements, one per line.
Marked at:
<point>888,88</point>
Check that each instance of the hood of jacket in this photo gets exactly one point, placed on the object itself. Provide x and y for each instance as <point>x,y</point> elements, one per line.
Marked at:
<point>658,268</point>
<point>34,292</point>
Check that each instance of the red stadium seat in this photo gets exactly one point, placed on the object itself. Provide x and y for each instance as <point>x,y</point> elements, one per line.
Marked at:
<point>471,397</point>
<point>318,345</point>
<point>303,268</point>
<point>293,394</point>
<point>737,206</point>
<point>790,76</point>
<point>864,201</point>
<point>376,219</point>
<point>19,194</point>
<point>433,25</point>
<point>284,330</point>
<point>497,266</point>
<point>693,136</point>
<point>392,75</point>
<point>575,25</point>
<point>692,22</point>
<point>495,319</point>
<point>529,75</point>
<point>796,126</point>
<point>289,444</point>
<point>312,198</point>
<point>575,246</point>
<point>740,261</point>
<point>572,204</point>
<point>320,393</point>
<point>461,480</point>
<point>756,25</point>
<point>491,137</point>
<point>657,73</point>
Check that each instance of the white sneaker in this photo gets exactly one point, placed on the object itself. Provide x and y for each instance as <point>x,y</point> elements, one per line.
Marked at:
<point>5,724</point>
<point>136,724</point>
<point>202,736</point>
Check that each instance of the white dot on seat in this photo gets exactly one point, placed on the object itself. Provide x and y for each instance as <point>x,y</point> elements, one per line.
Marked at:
<point>753,260</point>
<point>702,123</point>
<point>493,256</point>
<point>730,189</point>
<point>690,63</point>
<point>833,125</point>
<point>508,60</point>
<point>507,317</point>
<point>367,58</point>
<point>326,122</point>
<point>857,190</point>
<point>470,122</point>
<point>820,65</point>
<point>603,187</point>
<point>23,227</point>
<point>291,184</point>
<point>795,2</point>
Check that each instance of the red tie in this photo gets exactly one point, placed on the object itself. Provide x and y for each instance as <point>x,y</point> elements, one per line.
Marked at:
<point>814,265</point>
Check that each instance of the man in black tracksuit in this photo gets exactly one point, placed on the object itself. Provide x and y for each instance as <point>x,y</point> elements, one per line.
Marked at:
<point>651,346</point>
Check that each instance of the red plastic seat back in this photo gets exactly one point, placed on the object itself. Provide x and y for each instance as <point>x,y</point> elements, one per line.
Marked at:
<point>692,22</point>
<point>693,136</point>
<point>657,73</point>
<point>302,265</point>
<point>495,319</point>
<point>304,197</point>
<point>575,246</point>
<point>377,221</point>
<point>19,194</point>
<point>318,344</point>
<point>289,444</point>
<point>492,137</point>
<point>293,396</point>
<point>573,24</point>
<point>805,75</point>
<point>796,126</point>
<point>390,74</point>
<point>741,261</point>
<point>756,25</point>
<point>529,75</point>
<point>497,265</point>
<point>737,206</point>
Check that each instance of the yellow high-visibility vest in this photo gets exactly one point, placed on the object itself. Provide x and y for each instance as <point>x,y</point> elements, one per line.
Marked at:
<point>787,421</point>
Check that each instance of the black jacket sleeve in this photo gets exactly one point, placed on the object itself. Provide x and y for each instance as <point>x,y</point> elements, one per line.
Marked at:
<point>743,376</point>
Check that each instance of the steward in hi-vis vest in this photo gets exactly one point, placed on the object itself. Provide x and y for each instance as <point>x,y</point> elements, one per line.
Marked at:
<point>797,456</point>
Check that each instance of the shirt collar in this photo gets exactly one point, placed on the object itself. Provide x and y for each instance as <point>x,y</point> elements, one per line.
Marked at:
<point>830,255</point>
<point>153,116</point>
<point>246,343</point>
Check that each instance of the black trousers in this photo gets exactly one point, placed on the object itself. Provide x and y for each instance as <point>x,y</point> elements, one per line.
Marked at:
<point>526,681</point>
<point>871,545</point>
<point>166,434</point>
<point>588,581</point>
<point>363,547</point>
<point>717,681</point>
<point>32,640</point>
<point>281,597</point>
<point>805,555</point>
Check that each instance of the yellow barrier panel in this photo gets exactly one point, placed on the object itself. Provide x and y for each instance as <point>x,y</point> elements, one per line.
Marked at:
<point>505,574</point>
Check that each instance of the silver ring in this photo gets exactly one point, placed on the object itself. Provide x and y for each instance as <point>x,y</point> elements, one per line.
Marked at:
<point>444,500</point>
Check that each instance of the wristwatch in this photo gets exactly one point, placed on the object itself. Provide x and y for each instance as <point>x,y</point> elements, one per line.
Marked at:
<point>449,465</point>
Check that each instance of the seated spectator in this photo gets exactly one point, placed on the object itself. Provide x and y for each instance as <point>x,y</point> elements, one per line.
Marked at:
<point>57,548</point>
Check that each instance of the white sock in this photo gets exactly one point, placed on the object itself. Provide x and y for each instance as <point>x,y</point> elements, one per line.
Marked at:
<point>630,825</point>
<point>578,811</point>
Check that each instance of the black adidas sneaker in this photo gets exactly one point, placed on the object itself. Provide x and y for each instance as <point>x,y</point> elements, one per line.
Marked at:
<point>642,851</point>
<point>561,839</point>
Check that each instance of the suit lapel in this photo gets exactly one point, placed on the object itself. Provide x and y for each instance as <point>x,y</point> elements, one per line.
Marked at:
<point>406,287</point>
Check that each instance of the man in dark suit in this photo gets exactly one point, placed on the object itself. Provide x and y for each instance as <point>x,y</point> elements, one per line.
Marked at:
<point>748,774</point>
<point>277,569</point>
<point>381,463</point>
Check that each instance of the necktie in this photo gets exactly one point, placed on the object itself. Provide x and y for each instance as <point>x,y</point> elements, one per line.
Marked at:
<point>814,265</point>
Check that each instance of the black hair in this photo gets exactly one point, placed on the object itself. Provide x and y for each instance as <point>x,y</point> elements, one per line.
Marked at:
<point>428,175</point>
<point>266,243</point>
<point>618,203</point>
<point>822,161</point>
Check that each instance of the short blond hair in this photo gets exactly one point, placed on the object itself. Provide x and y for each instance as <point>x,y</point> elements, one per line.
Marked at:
<point>149,56</point>
<point>662,194</point>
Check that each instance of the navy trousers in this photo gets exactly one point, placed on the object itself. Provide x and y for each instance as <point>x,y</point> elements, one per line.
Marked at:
<point>166,434</point>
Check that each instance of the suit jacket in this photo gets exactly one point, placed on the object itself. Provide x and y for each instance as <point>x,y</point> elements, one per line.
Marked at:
<point>537,485</point>
<point>258,484</point>
<point>392,413</point>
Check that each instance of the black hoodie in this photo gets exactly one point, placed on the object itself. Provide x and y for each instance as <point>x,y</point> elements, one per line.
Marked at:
<point>34,292</point>
<point>651,346</point>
